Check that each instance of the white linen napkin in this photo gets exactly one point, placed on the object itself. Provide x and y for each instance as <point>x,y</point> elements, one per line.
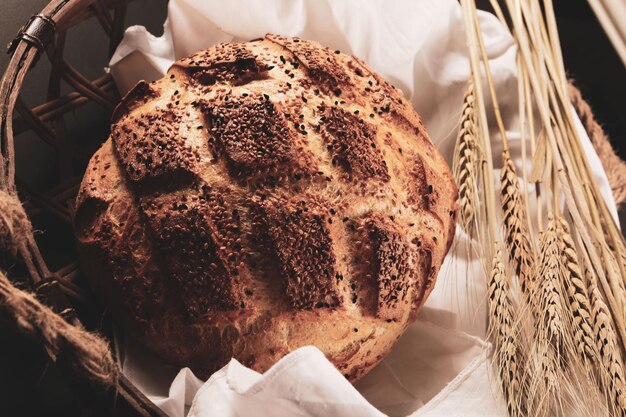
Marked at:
<point>440,366</point>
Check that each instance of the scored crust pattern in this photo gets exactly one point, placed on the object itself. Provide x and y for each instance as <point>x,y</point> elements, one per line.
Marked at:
<point>263,196</point>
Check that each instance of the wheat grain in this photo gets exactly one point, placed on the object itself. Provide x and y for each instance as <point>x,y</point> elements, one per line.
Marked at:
<point>508,357</point>
<point>549,336</point>
<point>465,161</point>
<point>605,339</point>
<point>515,222</point>
<point>549,288</point>
<point>578,304</point>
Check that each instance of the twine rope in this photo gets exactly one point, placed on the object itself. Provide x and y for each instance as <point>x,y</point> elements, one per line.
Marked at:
<point>14,224</point>
<point>86,352</point>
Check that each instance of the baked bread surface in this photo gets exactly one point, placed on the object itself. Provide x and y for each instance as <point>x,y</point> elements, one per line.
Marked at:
<point>264,196</point>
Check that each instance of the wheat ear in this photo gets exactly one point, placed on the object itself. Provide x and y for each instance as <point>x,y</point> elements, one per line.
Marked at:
<point>578,304</point>
<point>606,343</point>
<point>586,368</point>
<point>465,163</point>
<point>515,222</point>
<point>549,336</point>
<point>508,358</point>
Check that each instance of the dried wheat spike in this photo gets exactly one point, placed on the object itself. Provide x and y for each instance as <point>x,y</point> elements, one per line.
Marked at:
<point>515,223</point>
<point>549,336</point>
<point>508,357</point>
<point>578,304</point>
<point>465,162</point>
<point>606,343</point>
<point>549,291</point>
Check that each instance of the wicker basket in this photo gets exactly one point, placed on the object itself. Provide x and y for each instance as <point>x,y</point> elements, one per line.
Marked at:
<point>72,308</point>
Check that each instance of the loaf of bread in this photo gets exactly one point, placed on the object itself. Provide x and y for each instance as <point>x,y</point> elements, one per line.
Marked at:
<point>264,196</point>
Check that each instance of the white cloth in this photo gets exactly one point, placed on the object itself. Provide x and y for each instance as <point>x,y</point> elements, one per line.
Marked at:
<point>433,371</point>
<point>440,366</point>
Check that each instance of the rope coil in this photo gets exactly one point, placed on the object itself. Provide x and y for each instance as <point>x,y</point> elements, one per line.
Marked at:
<point>14,223</point>
<point>86,352</point>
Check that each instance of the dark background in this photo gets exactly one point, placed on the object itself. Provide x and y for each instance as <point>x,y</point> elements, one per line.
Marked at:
<point>31,386</point>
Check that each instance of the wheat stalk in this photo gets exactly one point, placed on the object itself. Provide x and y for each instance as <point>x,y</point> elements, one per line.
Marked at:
<point>508,357</point>
<point>578,329</point>
<point>512,202</point>
<point>465,163</point>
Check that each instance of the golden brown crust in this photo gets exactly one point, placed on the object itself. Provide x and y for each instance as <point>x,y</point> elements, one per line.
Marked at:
<point>261,197</point>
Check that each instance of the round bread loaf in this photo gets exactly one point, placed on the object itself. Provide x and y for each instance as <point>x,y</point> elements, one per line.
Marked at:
<point>264,196</point>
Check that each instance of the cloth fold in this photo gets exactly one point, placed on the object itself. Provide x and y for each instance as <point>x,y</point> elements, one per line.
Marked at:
<point>433,371</point>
